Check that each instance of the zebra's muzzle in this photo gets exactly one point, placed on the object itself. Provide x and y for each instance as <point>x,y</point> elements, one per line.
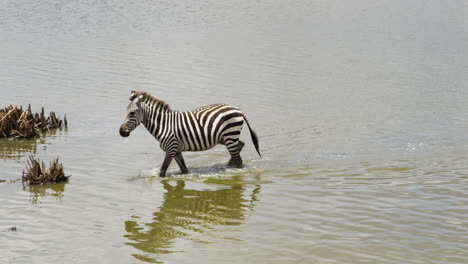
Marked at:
<point>123,131</point>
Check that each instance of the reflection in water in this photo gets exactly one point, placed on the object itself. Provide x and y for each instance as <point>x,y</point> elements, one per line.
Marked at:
<point>185,211</point>
<point>16,149</point>
<point>37,192</point>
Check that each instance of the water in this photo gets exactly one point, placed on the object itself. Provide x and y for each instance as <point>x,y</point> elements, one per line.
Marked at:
<point>360,109</point>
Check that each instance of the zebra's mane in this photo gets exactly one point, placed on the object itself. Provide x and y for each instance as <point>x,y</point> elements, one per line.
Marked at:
<point>149,98</point>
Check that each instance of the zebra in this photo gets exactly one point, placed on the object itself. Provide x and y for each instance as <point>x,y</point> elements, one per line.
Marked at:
<point>195,130</point>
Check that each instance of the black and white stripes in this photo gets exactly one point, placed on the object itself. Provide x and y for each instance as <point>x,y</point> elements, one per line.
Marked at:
<point>196,130</point>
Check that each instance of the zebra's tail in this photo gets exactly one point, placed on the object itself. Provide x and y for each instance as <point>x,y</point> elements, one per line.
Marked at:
<point>253,135</point>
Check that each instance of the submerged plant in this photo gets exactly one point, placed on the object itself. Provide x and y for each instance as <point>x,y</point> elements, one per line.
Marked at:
<point>36,172</point>
<point>18,123</point>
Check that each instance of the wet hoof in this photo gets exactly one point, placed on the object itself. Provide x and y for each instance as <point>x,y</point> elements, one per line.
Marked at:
<point>234,165</point>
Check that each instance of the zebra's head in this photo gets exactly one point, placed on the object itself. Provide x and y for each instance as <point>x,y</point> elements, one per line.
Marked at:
<point>134,114</point>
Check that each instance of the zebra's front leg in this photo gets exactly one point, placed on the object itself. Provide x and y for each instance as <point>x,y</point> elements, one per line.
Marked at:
<point>166,163</point>
<point>180,160</point>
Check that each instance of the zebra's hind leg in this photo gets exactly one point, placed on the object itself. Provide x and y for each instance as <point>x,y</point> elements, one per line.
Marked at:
<point>180,160</point>
<point>240,145</point>
<point>235,149</point>
<point>166,163</point>
<point>235,161</point>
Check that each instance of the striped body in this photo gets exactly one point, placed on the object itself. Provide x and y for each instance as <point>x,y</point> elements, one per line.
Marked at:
<point>196,130</point>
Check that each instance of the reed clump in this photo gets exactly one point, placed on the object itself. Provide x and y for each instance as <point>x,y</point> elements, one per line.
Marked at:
<point>37,173</point>
<point>23,124</point>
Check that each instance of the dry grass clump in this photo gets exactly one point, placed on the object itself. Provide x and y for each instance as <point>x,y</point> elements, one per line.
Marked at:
<point>18,124</point>
<point>36,172</point>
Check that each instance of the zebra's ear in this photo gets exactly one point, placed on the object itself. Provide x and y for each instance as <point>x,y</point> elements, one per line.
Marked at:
<point>133,94</point>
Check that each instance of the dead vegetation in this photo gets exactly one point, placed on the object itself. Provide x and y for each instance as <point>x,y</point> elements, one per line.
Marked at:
<point>36,172</point>
<point>23,124</point>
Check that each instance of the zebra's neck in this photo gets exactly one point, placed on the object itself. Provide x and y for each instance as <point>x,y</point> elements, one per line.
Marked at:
<point>154,114</point>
